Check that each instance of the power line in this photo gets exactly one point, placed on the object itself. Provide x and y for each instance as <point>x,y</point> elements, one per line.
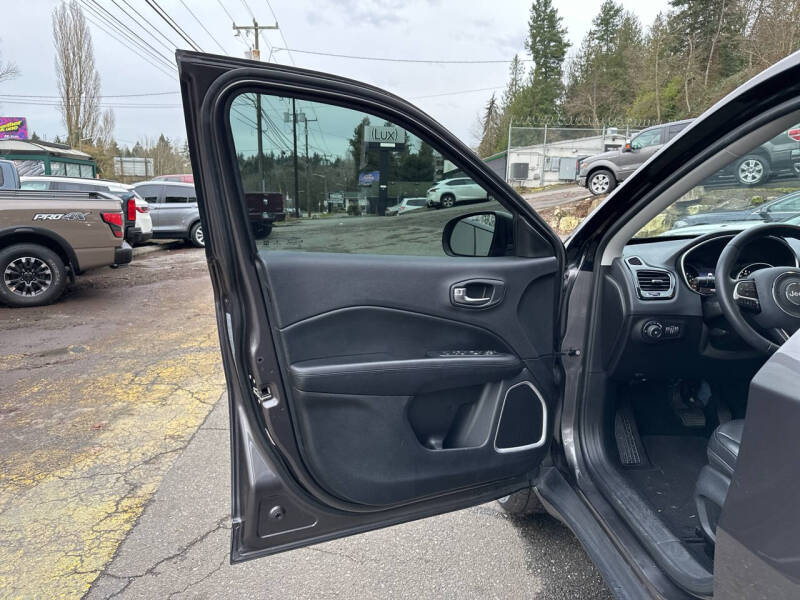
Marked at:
<point>144,94</point>
<point>170,45</point>
<point>149,61</point>
<point>280,31</point>
<point>204,27</point>
<point>488,89</point>
<point>248,9</point>
<point>403,60</point>
<point>125,31</point>
<point>171,22</point>
<point>222,6</point>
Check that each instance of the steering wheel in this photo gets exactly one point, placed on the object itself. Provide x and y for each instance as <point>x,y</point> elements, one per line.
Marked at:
<point>763,309</point>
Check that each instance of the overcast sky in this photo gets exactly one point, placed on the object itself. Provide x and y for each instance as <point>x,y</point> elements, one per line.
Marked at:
<point>421,29</point>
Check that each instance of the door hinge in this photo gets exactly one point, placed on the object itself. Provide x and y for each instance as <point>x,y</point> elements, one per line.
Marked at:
<point>264,395</point>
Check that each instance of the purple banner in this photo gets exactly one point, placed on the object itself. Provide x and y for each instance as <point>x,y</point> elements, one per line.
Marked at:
<point>13,128</point>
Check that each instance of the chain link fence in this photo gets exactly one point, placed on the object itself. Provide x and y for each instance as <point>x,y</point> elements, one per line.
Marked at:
<point>541,156</point>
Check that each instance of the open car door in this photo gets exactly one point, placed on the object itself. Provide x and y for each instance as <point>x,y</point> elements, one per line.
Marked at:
<point>378,370</point>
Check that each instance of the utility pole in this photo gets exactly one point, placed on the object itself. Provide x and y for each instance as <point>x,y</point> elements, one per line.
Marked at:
<point>256,55</point>
<point>286,118</point>
<point>308,197</point>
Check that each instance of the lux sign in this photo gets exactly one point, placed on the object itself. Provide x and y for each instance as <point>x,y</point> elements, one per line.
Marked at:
<point>384,135</point>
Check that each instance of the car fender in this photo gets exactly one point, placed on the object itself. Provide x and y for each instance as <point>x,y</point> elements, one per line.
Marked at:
<point>190,219</point>
<point>52,240</point>
<point>602,164</point>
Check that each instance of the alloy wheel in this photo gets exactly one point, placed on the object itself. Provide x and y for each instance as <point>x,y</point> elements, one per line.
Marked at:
<point>600,183</point>
<point>751,171</point>
<point>28,276</point>
<point>198,236</point>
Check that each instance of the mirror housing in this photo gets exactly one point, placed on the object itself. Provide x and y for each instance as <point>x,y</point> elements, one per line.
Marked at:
<point>489,233</point>
<point>627,146</point>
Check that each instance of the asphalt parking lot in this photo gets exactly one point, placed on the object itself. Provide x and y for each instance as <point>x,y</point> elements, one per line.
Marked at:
<point>115,466</point>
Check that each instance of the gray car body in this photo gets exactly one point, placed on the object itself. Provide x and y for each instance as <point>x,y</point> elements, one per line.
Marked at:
<point>622,163</point>
<point>9,177</point>
<point>173,207</point>
<point>780,209</point>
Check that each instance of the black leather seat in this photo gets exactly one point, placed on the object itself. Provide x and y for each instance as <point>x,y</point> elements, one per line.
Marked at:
<point>715,477</point>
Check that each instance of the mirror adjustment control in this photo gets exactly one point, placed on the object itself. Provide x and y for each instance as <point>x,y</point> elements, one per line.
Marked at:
<point>657,330</point>
<point>653,331</point>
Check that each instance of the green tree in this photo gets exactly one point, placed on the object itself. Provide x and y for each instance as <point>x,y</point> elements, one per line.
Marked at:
<point>601,82</point>
<point>547,45</point>
<point>490,128</point>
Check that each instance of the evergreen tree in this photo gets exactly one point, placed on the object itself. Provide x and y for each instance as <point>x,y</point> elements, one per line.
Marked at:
<point>547,45</point>
<point>490,125</point>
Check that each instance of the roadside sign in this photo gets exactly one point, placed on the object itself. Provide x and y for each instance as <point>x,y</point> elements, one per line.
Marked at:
<point>13,128</point>
<point>385,136</point>
<point>369,177</point>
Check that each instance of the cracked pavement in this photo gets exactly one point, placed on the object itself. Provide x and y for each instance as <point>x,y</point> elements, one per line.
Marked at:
<point>102,392</point>
<point>179,549</point>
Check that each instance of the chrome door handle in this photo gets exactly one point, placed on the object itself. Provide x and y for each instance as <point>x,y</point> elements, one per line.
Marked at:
<point>485,293</point>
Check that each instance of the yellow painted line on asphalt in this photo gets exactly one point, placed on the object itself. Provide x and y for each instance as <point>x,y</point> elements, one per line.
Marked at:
<point>59,527</point>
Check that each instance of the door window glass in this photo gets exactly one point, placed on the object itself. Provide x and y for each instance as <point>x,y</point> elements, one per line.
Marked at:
<point>646,139</point>
<point>331,172</point>
<point>174,196</point>
<point>757,186</point>
<point>35,185</point>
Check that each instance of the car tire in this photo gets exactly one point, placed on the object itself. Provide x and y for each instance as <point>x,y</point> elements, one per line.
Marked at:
<point>752,170</point>
<point>522,503</point>
<point>448,201</point>
<point>601,182</point>
<point>262,231</point>
<point>196,236</point>
<point>43,268</point>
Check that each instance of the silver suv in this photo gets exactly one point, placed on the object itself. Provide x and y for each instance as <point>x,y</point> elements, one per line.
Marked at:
<point>602,172</point>
<point>173,208</point>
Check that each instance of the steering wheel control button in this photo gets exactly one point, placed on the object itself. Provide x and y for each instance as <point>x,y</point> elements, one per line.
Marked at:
<point>746,295</point>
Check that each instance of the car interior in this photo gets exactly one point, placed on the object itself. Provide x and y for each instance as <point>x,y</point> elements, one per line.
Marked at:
<point>666,398</point>
<point>403,373</point>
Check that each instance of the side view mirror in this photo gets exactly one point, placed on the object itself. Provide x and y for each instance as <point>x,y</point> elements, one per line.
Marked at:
<point>479,234</point>
<point>627,146</point>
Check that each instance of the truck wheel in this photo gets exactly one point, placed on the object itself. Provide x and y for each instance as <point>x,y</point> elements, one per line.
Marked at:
<point>196,236</point>
<point>448,200</point>
<point>522,503</point>
<point>602,181</point>
<point>752,170</point>
<point>32,275</point>
<point>262,231</point>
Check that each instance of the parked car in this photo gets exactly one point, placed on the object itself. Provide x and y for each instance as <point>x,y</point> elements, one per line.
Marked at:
<point>178,178</point>
<point>9,176</point>
<point>173,207</point>
<point>780,155</point>
<point>602,172</point>
<point>779,209</point>
<point>448,192</point>
<point>263,209</point>
<point>47,237</point>
<point>406,205</point>
<point>138,224</point>
<point>598,378</point>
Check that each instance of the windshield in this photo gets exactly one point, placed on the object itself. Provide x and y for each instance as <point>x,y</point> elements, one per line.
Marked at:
<point>762,186</point>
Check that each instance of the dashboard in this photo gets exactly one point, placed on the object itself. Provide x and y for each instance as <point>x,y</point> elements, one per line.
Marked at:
<point>698,263</point>
<point>660,313</point>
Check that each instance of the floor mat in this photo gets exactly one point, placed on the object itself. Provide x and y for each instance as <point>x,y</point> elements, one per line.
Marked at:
<point>668,484</point>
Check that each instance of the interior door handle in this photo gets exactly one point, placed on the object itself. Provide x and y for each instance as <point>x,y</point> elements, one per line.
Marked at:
<point>460,294</point>
<point>477,293</point>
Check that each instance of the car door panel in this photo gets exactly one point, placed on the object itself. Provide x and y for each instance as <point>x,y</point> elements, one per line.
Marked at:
<point>363,355</point>
<point>345,416</point>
